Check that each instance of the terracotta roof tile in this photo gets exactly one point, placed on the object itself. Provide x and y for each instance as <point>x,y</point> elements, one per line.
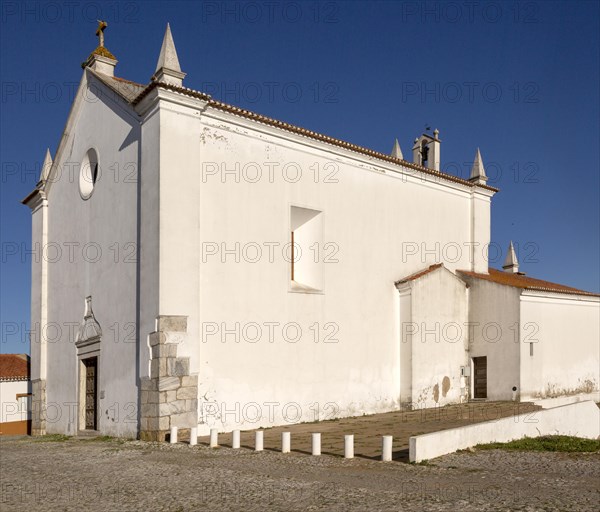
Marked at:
<point>525,282</point>
<point>14,367</point>
<point>421,273</point>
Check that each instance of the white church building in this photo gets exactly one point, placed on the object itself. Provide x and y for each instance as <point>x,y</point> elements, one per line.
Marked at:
<point>208,266</point>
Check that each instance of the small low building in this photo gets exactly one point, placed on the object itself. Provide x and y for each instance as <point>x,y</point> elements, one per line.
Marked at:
<point>531,338</point>
<point>15,394</point>
<point>513,337</point>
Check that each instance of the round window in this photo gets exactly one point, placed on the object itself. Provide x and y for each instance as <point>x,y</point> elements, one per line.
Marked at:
<point>88,173</point>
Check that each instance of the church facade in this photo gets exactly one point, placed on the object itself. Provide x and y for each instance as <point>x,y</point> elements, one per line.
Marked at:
<point>208,266</point>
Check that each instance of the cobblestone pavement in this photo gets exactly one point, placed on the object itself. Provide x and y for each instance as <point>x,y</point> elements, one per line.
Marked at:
<point>100,475</point>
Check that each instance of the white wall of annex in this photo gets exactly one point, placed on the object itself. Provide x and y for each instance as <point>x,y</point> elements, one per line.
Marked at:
<point>494,326</point>
<point>565,332</point>
<point>439,339</point>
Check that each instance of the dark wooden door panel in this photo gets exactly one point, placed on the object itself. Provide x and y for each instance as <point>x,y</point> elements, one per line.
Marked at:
<point>480,377</point>
<point>91,379</point>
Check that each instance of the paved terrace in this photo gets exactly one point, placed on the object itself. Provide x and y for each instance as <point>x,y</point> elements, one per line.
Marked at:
<point>368,430</point>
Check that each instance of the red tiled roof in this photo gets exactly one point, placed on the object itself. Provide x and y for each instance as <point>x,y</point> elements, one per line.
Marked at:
<point>14,366</point>
<point>525,282</point>
<point>421,273</point>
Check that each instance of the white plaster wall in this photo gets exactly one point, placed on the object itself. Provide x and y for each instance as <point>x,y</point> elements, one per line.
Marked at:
<point>106,221</point>
<point>149,214</point>
<point>548,403</point>
<point>494,326</point>
<point>37,345</point>
<point>369,212</point>
<point>439,342</point>
<point>178,224</point>
<point>566,356</point>
<point>581,420</point>
<point>9,405</point>
<point>480,224</point>
<point>406,344</point>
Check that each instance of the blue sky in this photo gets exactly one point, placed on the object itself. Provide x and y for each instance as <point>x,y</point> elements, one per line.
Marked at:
<point>520,80</point>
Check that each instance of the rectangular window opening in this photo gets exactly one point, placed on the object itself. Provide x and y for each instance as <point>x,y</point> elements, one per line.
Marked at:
<point>306,236</point>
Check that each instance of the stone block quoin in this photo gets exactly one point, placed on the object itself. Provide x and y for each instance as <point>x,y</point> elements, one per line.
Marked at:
<point>169,397</point>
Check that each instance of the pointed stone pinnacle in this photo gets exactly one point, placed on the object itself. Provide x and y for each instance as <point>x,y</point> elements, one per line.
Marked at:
<point>511,264</point>
<point>167,68</point>
<point>478,170</point>
<point>46,166</point>
<point>397,151</point>
<point>168,54</point>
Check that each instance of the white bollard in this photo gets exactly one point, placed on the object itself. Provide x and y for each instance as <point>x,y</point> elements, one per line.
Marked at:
<point>316,444</point>
<point>258,441</point>
<point>214,438</point>
<point>286,442</point>
<point>386,454</point>
<point>173,437</point>
<point>349,446</point>
<point>235,441</point>
<point>193,436</point>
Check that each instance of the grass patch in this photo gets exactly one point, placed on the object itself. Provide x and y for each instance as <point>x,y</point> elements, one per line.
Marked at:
<point>105,438</point>
<point>546,444</point>
<point>422,463</point>
<point>51,438</point>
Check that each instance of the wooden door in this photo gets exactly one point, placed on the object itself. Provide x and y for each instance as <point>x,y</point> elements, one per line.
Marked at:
<point>480,377</point>
<point>91,380</point>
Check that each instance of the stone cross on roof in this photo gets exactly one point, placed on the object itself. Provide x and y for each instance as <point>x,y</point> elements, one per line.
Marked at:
<point>100,31</point>
<point>101,59</point>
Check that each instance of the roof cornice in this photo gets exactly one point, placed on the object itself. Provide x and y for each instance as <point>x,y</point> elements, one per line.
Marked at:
<point>539,291</point>
<point>219,105</point>
<point>36,198</point>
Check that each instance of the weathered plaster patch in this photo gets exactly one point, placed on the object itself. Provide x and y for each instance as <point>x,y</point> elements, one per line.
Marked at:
<point>445,386</point>
<point>553,390</point>
<point>436,393</point>
<point>208,134</point>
